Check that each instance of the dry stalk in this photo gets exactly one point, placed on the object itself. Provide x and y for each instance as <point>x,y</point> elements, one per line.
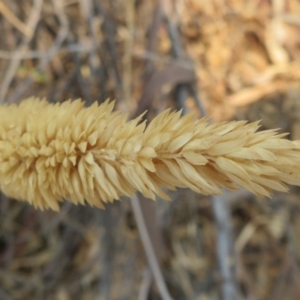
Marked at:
<point>49,153</point>
<point>9,15</point>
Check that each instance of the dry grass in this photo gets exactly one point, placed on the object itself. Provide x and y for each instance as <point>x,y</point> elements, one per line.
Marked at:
<point>65,151</point>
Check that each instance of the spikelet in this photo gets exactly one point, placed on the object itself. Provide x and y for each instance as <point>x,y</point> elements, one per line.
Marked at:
<point>52,152</point>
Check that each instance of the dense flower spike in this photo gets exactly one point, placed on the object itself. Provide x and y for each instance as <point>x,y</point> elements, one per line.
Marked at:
<point>52,152</point>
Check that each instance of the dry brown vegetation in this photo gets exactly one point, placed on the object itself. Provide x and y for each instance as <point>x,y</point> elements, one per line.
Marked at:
<point>241,57</point>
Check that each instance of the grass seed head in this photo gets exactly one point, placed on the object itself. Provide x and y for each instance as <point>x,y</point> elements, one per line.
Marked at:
<point>51,152</point>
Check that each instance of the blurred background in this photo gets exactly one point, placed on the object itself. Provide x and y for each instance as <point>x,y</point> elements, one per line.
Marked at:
<point>229,59</point>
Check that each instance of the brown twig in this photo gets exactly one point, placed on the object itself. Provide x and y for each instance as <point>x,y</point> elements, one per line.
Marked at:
<point>146,284</point>
<point>111,50</point>
<point>149,251</point>
<point>33,20</point>
<point>6,12</point>
<point>220,207</point>
<point>61,36</point>
<point>127,59</point>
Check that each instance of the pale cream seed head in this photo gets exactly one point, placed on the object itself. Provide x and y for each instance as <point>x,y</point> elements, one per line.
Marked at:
<point>55,152</point>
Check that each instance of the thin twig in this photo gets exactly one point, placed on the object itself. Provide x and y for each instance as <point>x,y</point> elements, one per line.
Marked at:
<point>93,57</point>
<point>224,246</point>
<point>7,13</point>
<point>147,212</point>
<point>127,59</point>
<point>146,284</point>
<point>107,259</point>
<point>220,207</point>
<point>152,34</point>
<point>86,47</point>
<point>182,90</point>
<point>111,50</point>
<point>61,36</point>
<point>152,260</point>
<point>14,64</point>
